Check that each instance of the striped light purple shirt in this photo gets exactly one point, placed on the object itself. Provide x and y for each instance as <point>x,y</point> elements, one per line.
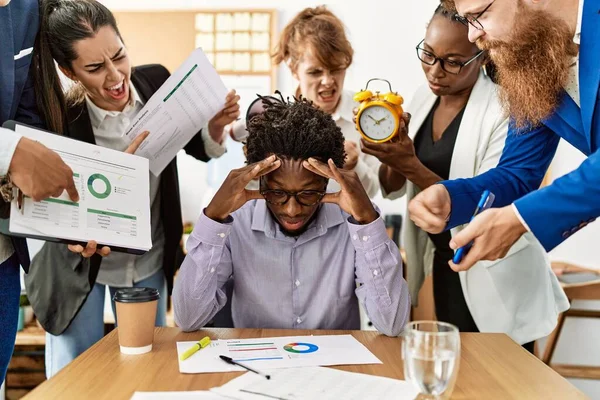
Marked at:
<point>313,281</point>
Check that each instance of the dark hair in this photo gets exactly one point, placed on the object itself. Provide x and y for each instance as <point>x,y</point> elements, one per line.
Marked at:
<point>63,22</point>
<point>294,130</point>
<point>445,12</point>
<point>446,9</point>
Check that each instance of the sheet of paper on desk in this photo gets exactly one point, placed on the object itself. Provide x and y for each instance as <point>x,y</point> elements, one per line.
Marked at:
<point>277,352</point>
<point>198,395</point>
<point>184,104</point>
<point>316,383</point>
<point>113,207</point>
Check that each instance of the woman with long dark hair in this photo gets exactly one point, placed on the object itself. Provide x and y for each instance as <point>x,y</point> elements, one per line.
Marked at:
<point>82,37</point>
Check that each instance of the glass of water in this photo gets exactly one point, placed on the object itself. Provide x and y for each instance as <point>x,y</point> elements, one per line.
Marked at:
<point>431,352</point>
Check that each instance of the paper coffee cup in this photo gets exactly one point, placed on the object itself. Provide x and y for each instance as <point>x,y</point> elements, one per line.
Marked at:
<point>136,316</point>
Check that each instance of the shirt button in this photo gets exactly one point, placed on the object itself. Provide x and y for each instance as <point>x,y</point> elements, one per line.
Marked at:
<point>365,238</point>
<point>212,270</point>
<point>221,235</point>
<point>375,273</point>
<point>297,283</point>
<point>299,320</point>
<point>355,237</point>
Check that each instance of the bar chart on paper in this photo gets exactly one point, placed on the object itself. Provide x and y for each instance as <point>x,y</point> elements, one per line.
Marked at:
<point>279,352</point>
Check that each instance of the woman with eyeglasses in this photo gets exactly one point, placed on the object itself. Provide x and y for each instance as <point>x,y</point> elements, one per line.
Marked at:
<point>457,130</point>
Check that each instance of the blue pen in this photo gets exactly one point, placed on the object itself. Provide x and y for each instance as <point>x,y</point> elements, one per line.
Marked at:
<point>487,198</point>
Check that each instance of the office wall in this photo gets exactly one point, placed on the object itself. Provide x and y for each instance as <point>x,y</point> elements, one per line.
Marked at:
<point>384,33</point>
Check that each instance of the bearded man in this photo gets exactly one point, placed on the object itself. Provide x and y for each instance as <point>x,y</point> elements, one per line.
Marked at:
<point>547,54</point>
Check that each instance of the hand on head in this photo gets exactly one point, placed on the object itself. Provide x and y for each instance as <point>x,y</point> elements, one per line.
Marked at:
<point>352,197</point>
<point>233,193</point>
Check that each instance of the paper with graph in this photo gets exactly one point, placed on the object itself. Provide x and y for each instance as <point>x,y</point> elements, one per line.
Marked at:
<point>182,106</point>
<point>113,207</point>
<point>277,352</point>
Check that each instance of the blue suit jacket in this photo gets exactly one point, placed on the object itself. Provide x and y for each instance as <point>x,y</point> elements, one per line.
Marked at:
<point>557,211</point>
<point>19,22</point>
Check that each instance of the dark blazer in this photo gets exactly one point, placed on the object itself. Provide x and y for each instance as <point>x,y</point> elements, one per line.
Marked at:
<point>19,22</point>
<point>60,281</point>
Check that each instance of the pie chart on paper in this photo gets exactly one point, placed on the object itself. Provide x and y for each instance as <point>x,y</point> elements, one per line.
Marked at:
<point>301,348</point>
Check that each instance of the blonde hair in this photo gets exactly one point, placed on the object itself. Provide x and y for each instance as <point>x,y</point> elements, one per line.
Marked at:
<point>317,29</point>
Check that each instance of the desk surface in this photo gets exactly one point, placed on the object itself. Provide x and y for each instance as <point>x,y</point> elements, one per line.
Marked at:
<point>492,366</point>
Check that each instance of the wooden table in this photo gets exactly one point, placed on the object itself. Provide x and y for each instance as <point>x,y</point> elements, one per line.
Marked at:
<point>492,366</point>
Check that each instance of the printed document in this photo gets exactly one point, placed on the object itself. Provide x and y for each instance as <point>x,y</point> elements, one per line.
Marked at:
<point>194,395</point>
<point>114,201</point>
<point>182,106</point>
<point>278,352</point>
<point>316,383</point>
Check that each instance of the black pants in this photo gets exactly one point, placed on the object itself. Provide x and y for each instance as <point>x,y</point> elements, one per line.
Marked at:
<point>450,304</point>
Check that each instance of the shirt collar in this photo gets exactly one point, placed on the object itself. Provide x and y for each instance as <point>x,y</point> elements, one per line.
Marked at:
<point>98,115</point>
<point>330,215</point>
<point>345,107</point>
<point>577,37</point>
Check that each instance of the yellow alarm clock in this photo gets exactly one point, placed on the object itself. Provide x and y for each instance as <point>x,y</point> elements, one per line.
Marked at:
<point>378,116</point>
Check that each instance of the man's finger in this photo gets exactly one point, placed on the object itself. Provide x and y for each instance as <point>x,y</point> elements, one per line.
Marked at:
<point>331,198</point>
<point>423,217</point>
<point>314,170</point>
<point>319,168</point>
<point>133,146</point>
<point>253,194</point>
<point>71,189</point>
<point>267,170</point>
<point>467,235</point>
<point>472,257</point>
<point>337,175</point>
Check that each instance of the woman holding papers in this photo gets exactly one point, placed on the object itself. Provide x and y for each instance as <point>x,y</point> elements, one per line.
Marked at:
<point>315,48</point>
<point>83,38</point>
<point>457,130</point>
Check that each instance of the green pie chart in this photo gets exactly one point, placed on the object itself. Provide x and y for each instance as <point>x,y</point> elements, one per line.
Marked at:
<point>90,185</point>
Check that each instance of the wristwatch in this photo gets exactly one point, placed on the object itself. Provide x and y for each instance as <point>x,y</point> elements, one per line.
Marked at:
<point>6,188</point>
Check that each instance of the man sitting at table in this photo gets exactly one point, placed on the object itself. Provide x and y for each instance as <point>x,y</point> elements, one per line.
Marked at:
<point>300,258</point>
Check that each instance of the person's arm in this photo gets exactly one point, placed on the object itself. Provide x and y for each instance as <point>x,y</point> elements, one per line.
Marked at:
<point>367,169</point>
<point>378,265</point>
<point>10,140</point>
<point>571,202</point>
<point>525,159</point>
<point>198,293</point>
<point>393,183</point>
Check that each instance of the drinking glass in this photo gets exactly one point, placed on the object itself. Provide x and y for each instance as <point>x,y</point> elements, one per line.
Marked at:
<point>431,352</point>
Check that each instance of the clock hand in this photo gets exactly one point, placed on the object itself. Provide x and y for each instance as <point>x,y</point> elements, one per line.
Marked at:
<point>372,119</point>
<point>382,119</point>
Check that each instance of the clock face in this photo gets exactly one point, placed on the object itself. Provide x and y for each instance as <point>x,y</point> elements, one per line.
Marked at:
<point>377,122</point>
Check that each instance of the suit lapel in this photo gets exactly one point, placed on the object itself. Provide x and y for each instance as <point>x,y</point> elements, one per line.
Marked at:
<point>589,58</point>
<point>7,64</point>
<point>567,123</point>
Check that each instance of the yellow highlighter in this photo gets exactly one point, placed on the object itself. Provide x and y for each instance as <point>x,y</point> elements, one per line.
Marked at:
<point>197,346</point>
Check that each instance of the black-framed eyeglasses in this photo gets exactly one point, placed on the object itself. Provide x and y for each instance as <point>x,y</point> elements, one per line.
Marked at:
<point>280,197</point>
<point>451,66</point>
<point>473,19</point>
